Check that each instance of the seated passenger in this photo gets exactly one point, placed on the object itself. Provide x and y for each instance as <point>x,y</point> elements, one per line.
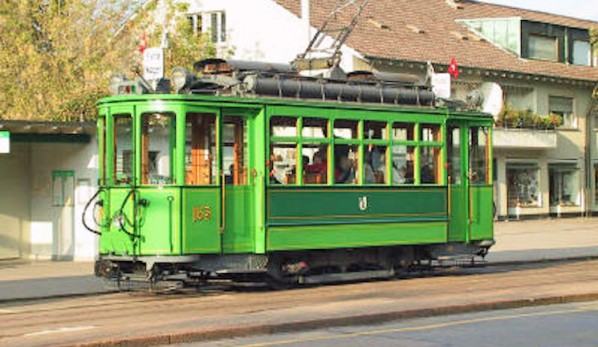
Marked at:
<point>345,172</point>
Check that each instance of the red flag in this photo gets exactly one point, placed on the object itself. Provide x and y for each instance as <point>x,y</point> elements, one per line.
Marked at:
<point>142,43</point>
<point>453,69</point>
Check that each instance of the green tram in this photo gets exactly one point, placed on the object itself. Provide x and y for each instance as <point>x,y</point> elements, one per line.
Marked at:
<point>239,176</point>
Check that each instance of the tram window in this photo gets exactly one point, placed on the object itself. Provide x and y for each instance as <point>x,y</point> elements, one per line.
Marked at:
<point>157,139</point>
<point>234,146</point>
<point>375,130</point>
<point>345,129</point>
<point>374,165</point>
<point>283,163</point>
<point>315,164</point>
<point>315,128</point>
<point>403,132</point>
<point>430,165</point>
<point>346,164</point>
<point>478,155</point>
<point>430,132</point>
<point>123,149</point>
<point>283,126</point>
<point>200,149</point>
<point>454,155</point>
<point>402,162</point>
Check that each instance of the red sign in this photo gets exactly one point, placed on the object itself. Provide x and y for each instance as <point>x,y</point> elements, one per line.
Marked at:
<point>453,69</point>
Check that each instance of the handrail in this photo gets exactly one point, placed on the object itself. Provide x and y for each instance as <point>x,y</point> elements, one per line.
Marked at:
<point>100,189</point>
<point>124,216</point>
<point>222,203</point>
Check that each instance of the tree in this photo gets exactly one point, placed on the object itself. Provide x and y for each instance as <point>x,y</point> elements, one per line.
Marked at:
<point>57,56</point>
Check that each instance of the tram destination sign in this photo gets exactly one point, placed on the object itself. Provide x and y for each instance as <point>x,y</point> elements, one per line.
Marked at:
<point>4,142</point>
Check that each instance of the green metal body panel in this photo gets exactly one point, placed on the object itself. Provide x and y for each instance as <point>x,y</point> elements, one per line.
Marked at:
<point>347,206</point>
<point>201,220</point>
<point>482,221</point>
<point>239,230</point>
<point>114,239</point>
<point>458,226</point>
<point>355,235</point>
<point>159,223</point>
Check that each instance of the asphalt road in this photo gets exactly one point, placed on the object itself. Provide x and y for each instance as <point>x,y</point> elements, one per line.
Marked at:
<point>555,325</point>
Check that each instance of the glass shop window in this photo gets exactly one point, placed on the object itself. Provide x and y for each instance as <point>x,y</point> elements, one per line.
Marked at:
<point>123,149</point>
<point>564,189</point>
<point>200,149</point>
<point>402,161</point>
<point>523,188</point>
<point>157,136</point>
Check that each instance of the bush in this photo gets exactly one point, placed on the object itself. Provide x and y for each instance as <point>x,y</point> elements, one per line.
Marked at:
<point>526,119</point>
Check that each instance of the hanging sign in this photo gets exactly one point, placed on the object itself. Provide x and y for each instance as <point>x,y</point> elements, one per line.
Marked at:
<point>441,85</point>
<point>4,142</point>
<point>153,63</point>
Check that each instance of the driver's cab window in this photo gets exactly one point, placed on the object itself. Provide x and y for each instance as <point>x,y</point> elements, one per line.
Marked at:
<point>157,143</point>
<point>479,155</point>
<point>123,149</point>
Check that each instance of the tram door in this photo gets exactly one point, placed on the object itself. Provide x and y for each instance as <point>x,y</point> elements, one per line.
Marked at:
<point>470,193</point>
<point>458,204</point>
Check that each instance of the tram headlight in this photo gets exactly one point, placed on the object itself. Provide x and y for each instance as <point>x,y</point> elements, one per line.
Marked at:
<point>181,78</point>
<point>115,82</point>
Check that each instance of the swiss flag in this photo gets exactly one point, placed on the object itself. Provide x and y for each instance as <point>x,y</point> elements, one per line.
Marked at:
<point>142,43</point>
<point>453,69</point>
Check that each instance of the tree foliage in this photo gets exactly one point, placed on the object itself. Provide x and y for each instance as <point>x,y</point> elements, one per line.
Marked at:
<point>57,56</point>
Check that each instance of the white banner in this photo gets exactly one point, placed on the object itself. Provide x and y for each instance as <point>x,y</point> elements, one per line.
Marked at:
<point>441,85</point>
<point>153,63</point>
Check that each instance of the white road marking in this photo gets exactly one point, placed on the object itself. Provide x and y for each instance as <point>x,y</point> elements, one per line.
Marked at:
<point>61,330</point>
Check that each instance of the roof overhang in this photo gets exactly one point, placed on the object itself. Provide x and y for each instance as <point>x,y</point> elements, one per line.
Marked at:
<point>41,131</point>
<point>377,61</point>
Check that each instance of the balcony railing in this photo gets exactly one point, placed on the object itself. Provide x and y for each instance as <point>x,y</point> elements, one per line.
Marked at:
<point>524,138</point>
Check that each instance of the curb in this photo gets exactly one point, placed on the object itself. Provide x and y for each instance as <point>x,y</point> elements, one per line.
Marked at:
<point>203,335</point>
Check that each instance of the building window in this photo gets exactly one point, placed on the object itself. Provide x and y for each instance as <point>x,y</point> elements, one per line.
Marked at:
<point>211,23</point>
<point>582,53</point>
<point>563,107</point>
<point>542,47</point>
<point>522,185</point>
<point>564,185</point>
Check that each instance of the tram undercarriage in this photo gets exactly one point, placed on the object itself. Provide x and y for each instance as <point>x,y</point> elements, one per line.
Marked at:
<point>282,269</point>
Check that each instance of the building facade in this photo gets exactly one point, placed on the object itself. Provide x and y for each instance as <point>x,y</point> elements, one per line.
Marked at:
<point>545,143</point>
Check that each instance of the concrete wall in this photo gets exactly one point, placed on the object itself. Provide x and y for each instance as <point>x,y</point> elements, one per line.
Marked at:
<point>15,170</point>
<point>57,231</point>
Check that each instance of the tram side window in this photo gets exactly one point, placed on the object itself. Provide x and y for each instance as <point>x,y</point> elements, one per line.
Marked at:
<point>402,162</point>
<point>314,128</point>
<point>430,133</point>
<point>345,164</point>
<point>346,129</point>
<point>157,142</point>
<point>374,165</point>
<point>430,165</point>
<point>454,155</point>
<point>200,149</point>
<point>123,149</point>
<point>234,146</point>
<point>283,126</point>
<point>403,132</point>
<point>479,160</point>
<point>283,163</point>
<point>315,163</point>
<point>375,130</point>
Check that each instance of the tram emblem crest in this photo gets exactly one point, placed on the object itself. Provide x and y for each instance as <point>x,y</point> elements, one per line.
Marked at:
<point>363,203</point>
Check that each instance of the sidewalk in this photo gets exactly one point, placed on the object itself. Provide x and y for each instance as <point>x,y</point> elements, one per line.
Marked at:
<point>533,240</point>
